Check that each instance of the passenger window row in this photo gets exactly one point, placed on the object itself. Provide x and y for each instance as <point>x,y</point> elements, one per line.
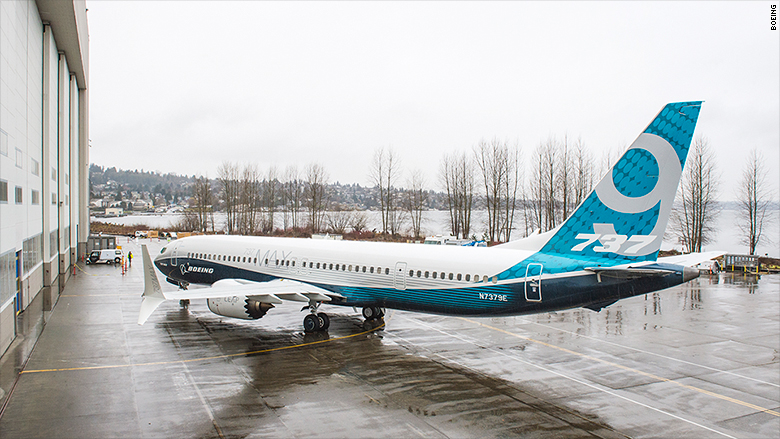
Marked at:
<point>289,263</point>
<point>222,258</point>
<point>350,268</point>
<point>451,276</point>
<point>345,267</point>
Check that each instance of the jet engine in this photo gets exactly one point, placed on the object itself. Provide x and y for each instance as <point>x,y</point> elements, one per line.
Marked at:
<point>240,307</point>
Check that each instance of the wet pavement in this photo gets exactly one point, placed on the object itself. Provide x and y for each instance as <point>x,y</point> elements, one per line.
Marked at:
<point>699,360</point>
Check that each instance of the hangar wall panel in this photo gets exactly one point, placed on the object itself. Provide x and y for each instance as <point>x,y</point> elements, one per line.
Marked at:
<point>42,138</point>
<point>21,152</point>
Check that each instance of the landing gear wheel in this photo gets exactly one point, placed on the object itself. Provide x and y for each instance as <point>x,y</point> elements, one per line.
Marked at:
<point>184,303</point>
<point>324,321</point>
<point>373,312</point>
<point>311,323</point>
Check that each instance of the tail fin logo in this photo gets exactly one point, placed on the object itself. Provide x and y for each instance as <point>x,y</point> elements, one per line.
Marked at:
<point>650,163</point>
<point>625,215</point>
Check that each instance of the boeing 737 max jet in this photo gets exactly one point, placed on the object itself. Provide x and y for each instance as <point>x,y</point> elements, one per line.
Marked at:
<point>605,251</point>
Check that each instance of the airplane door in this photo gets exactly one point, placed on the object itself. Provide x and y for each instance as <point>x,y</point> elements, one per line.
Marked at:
<point>533,283</point>
<point>399,280</point>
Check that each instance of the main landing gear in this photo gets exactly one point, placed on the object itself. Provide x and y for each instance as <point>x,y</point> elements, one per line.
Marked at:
<point>373,312</point>
<point>374,317</point>
<point>315,321</point>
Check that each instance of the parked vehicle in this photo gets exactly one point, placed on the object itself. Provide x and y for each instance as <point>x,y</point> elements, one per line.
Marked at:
<point>107,256</point>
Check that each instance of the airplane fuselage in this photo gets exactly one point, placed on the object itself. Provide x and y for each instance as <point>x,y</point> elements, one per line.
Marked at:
<point>448,280</point>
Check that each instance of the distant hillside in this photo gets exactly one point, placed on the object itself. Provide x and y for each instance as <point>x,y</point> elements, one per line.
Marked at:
<point>170,186</point>
<point>118,183</point>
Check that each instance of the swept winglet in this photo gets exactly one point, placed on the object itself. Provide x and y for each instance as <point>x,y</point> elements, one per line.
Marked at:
<point>153,295</point>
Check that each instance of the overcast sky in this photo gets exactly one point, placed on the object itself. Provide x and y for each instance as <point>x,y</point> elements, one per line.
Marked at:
<point>183,86</point>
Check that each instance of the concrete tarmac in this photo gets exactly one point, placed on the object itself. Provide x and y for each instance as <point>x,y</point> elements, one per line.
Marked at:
<point>698,360</point>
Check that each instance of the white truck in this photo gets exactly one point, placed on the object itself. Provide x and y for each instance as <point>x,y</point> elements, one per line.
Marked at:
<point>107,256</point>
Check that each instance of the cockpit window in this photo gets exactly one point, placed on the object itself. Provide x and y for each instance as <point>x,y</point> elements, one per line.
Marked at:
<point>163,250</point>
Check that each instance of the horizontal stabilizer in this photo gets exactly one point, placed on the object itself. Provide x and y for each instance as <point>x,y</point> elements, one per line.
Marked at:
<point>628,272</point>
<point>691,259</point>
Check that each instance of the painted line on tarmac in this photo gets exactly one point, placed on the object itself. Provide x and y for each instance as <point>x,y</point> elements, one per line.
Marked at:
<point>571,378</point>
<point>216,357</point>
<point>101,295</point>
<point>188,374</point>
<point>631,369</point>
<point>651,353</point>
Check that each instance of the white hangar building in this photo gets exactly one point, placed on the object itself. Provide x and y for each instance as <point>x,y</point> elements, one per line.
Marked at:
<point>44,155</point>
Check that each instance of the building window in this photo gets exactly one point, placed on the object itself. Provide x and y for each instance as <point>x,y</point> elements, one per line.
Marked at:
<point>53,199</point>
<point>67,179</point>
<point>35,167</point>
<point>18,195</point>
<point>32,249</point>
<point>3,191</point>
<point>4,143</point>
<point>53,173</point>
<point>67,200</point>
<point>7,276</point>
<point>19,158</point>
<point>36,197</point>
<point>54,243</point>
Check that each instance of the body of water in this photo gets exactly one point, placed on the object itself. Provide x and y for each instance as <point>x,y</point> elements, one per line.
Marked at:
<point>435,222</point>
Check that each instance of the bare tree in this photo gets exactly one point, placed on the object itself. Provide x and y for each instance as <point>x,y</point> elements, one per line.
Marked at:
<point>564,180</point>
<point>250,198</point>
<point>754,199</point>
<point>227,175</point>
<point>696,206</point>
<point>384,174</point>
<point>203,205</point>
<point>457,177</point>
<point>500,171</point>
<point>270,191</point>
<point>583,173</point>
<point>512,186</point>
<point>293,193</point>
<point>339,220</point>
<point>189,221</point>
<point>316,195</point>
<point>543,185</point>
<point>359,222</point>
<point>415,200</point>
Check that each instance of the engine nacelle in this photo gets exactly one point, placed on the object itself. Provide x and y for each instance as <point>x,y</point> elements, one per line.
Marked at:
<point>240,307</point>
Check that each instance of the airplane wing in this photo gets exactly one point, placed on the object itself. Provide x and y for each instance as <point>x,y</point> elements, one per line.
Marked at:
<point>275,291</point>
<point>691,259</point>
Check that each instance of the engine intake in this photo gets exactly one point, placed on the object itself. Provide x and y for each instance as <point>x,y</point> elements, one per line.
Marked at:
<point>240,307</point>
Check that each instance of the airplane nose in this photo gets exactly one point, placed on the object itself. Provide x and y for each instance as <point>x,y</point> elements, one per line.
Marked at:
<point>157,261</point>
<point>690,273</point>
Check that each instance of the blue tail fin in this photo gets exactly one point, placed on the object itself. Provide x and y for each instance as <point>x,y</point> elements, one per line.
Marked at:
<point>625,216</point>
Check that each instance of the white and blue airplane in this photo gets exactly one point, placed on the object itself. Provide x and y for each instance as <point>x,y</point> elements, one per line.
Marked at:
<point>605,251</point>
